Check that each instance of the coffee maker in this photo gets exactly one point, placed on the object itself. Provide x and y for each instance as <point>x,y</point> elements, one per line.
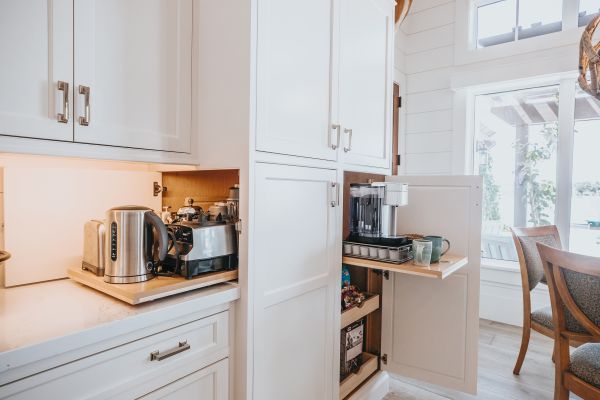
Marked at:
<point>374,213</point>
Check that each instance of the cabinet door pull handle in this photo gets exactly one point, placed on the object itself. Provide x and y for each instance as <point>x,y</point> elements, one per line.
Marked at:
<point>336,143</point>
<point>335,186</point>
<point>158,356</point>
<point>349,147</point>
<point>85,120</point>
<point>64,116</point>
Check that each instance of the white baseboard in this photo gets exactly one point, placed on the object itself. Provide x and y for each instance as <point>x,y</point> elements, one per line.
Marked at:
<point>501,295</point>
<point>374,389</point>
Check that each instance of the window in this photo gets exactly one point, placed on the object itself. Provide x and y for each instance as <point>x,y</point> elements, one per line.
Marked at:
<point>585,196</point>
<point>516,141</point>
<point>518,148</point>
<point>502,21</point>
<point>587,10</point>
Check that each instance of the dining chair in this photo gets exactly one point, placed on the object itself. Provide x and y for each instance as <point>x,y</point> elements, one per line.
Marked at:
<point>532,273</point>
<point>574,284</point>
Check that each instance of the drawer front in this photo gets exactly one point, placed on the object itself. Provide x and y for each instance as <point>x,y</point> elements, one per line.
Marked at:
<point>137,367</point>
<point>210,383</point>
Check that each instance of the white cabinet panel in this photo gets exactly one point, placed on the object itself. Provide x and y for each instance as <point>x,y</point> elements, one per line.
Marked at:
<point>129,368</point>
<point>295,280</point>
<point>294,77</point>
<point>430,327</point>
<point>207,384</point>
<point>36,43</point>
<point>136,57</point>
<point>365,94</point>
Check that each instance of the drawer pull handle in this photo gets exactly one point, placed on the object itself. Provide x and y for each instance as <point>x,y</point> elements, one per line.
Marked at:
<point>158,356</point>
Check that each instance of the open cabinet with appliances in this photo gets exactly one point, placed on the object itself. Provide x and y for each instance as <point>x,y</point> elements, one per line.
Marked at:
<point>420,323</point>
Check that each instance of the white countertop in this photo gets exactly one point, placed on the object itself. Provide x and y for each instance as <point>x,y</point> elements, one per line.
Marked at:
<point>46,319</point>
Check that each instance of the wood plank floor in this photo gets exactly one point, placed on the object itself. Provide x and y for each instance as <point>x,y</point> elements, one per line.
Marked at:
<point>498,348</point>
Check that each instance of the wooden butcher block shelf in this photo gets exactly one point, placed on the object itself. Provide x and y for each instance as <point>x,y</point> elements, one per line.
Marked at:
<point>447,266</point>
<point>159,287</point>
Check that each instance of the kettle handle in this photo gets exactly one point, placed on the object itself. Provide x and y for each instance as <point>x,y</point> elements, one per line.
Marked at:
<point>163,238</point>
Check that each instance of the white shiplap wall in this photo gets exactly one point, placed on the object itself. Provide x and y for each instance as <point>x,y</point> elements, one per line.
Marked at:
<point>425,55</point>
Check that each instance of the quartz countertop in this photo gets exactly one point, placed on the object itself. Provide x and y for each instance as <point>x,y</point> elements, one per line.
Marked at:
<point>50,318</point>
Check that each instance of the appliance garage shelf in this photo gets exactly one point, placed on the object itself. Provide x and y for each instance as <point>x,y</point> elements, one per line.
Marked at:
<point>447,266</point>
<point>157,288</point>
<point>358,312</point>
<point>353,380</point>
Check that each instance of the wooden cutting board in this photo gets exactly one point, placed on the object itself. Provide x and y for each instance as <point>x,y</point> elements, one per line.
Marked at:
<point>159,287</point>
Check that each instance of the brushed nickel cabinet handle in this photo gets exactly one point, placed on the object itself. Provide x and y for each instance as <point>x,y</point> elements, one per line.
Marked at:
<point>349,147</point>
<point>336,143</point>
<point>64,116</point>
<point>158,356</point>
<point>85,120</point>
<point>335,186</point>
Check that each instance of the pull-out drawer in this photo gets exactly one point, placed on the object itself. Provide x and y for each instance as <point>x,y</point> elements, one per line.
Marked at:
<point>132,369</point>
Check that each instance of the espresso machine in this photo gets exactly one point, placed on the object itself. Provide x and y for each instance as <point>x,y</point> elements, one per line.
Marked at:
<point>374,213</point>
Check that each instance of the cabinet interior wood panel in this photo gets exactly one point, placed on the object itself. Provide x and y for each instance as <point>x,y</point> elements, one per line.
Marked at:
<point>205,187</point>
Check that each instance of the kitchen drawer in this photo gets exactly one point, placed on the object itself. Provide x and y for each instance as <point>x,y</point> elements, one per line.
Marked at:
<point>132,369</point>
<point>210,383</point>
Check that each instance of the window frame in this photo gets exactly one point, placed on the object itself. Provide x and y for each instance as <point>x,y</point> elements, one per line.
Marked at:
<point>465,32</point>
<point>564,152</point>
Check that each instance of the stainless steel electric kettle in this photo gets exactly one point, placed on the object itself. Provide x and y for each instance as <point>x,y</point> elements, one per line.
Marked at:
<point>129,255</point>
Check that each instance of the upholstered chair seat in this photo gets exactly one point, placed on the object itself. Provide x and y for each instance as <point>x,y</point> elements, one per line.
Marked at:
<point>543,316</point>
<point>585,363</point>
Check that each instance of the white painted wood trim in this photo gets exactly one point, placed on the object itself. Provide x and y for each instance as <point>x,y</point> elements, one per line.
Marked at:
<point>374,389</point>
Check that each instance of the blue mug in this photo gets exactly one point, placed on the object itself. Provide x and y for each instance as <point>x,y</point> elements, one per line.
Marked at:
<point>437,249</point>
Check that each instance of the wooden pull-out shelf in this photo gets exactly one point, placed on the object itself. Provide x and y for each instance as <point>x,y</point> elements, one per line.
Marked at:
<point>447,266</point>
<point>357,312</point>
<point>159,287</point>
<point>353,381</point>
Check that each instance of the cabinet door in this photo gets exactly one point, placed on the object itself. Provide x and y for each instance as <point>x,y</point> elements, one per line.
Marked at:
<point>210,383</point>
<point>36,43</point>
<point>431,326</point>
<point>295,280</point>
<point>135,56</point>
<point>294,78</point>
<point>365,94</point>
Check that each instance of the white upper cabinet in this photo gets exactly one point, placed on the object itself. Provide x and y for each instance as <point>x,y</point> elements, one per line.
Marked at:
<point>133,75</point>
<point>36,43</point>
<point>294,86</point>
<point>365,86</point>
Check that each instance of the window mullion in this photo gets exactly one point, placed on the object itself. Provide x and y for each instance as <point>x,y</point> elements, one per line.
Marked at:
<point>564,173</point>
<point>517,20</point>
<point>570,18</point>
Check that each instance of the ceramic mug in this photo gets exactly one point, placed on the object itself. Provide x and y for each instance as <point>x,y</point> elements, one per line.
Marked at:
<point>438,244</point>
<point>422,252</point>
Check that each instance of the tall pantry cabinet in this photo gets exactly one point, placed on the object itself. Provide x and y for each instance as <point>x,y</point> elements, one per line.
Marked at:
<point>294,93</point>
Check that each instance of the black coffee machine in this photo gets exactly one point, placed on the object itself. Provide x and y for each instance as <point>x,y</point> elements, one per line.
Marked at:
<point>373,213</point>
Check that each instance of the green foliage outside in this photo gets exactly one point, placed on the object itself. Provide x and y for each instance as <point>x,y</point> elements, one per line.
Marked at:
<point>540,194</point>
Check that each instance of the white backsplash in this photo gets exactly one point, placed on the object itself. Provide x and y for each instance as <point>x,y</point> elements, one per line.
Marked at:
<point>47,200</point>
